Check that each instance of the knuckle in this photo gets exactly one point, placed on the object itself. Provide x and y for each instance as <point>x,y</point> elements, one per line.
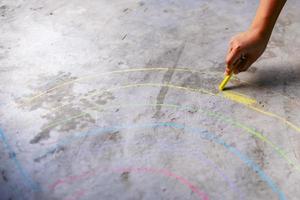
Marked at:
<point>228,61</point>
<point>237,46</point>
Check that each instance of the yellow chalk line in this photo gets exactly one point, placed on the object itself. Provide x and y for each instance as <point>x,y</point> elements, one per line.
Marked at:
<point>296,128</point>
<point>280,152</point>
<point>238,97</point>
<point>101,74</point>
<point>128,71</point>
<point>156,69</point>
<point>178,87</point>
<point>142,85</point>
<point>234,98</point>
<point>275,92</point>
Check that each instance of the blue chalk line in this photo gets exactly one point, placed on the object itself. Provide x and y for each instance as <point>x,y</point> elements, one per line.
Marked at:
<point>27,179</point>
<point>203,133</point>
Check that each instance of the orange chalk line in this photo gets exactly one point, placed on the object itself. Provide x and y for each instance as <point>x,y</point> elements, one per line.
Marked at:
<point>282,153</point>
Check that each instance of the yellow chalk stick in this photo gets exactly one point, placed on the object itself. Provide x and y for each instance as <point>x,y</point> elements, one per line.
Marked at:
<point>224,82</point>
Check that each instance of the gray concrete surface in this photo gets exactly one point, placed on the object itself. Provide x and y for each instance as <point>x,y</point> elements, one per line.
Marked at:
<point>111,99</point>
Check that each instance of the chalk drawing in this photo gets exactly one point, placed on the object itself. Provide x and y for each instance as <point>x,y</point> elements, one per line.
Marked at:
<point>198,156</point>
<point>203,133</point>
<point>282,153</point>
<point>207,162</point>
<point>28,182</point>
<point>163,172</point>
<point>205,91</point>
<point>236,97</point>
<point>240,98</point>
<point>275,92</point>
<point>91,76</point>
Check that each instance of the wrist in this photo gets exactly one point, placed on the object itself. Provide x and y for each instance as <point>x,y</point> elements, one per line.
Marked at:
<point>261,30</point>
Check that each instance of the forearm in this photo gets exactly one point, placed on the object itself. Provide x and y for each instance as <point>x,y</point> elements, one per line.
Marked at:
<point>266,16</point>
<point>251,44</point>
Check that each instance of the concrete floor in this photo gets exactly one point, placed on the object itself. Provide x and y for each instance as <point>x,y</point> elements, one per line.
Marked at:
<point>117,99</point>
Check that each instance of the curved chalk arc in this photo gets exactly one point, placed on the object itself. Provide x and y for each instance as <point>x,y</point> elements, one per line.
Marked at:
<point>145,170</point>
<point>261,111</point>
<point>28,181</point>
<point>192,155</point>
<point>203,133</point>
<point>282,153</point>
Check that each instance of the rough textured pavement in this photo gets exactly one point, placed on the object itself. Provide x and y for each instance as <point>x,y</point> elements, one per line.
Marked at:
<point>111,99</point>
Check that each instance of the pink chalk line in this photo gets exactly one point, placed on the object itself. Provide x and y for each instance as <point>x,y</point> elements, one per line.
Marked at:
<point>164,172</point>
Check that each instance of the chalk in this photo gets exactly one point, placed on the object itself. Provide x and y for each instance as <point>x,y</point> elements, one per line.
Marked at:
<point>225,81</point>
<point>25,175</point>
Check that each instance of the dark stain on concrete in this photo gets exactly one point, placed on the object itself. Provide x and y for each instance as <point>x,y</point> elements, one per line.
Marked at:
<point>126,9</point>
<point>193,109</point>
<point>81,122</point>
<point>3,10</point>
<point>125,176</point>
<point>4,7</point>
<point>62,121</point>
<point>106,139</point>
<point>114,136</point>
<point>141,3</point>
<point>250,180</point>
<point>104,98</point>
<point>4,176</point>
<point>12,155</point>
<point>43,135</point>
<point>37,8</point>
<point>9,13</point>
<point>56,150</point>
<point>123,38</point>
<point>259,153</point>
<point>53,98</point>
<point>172,55</point>
<point>66,111</point>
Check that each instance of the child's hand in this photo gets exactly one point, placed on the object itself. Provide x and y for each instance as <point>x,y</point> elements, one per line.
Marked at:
<point>244,49</point>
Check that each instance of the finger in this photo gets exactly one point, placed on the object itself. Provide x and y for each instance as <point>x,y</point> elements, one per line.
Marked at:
<point>227,71</point>
<point>233,67</point>
<point>243,65</point>
<point>229,49</point>
<point>238,64</point>
<point>233,57</point>
<point>246,66</point>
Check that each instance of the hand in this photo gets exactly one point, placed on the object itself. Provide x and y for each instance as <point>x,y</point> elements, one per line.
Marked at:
<point>244,49</point>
